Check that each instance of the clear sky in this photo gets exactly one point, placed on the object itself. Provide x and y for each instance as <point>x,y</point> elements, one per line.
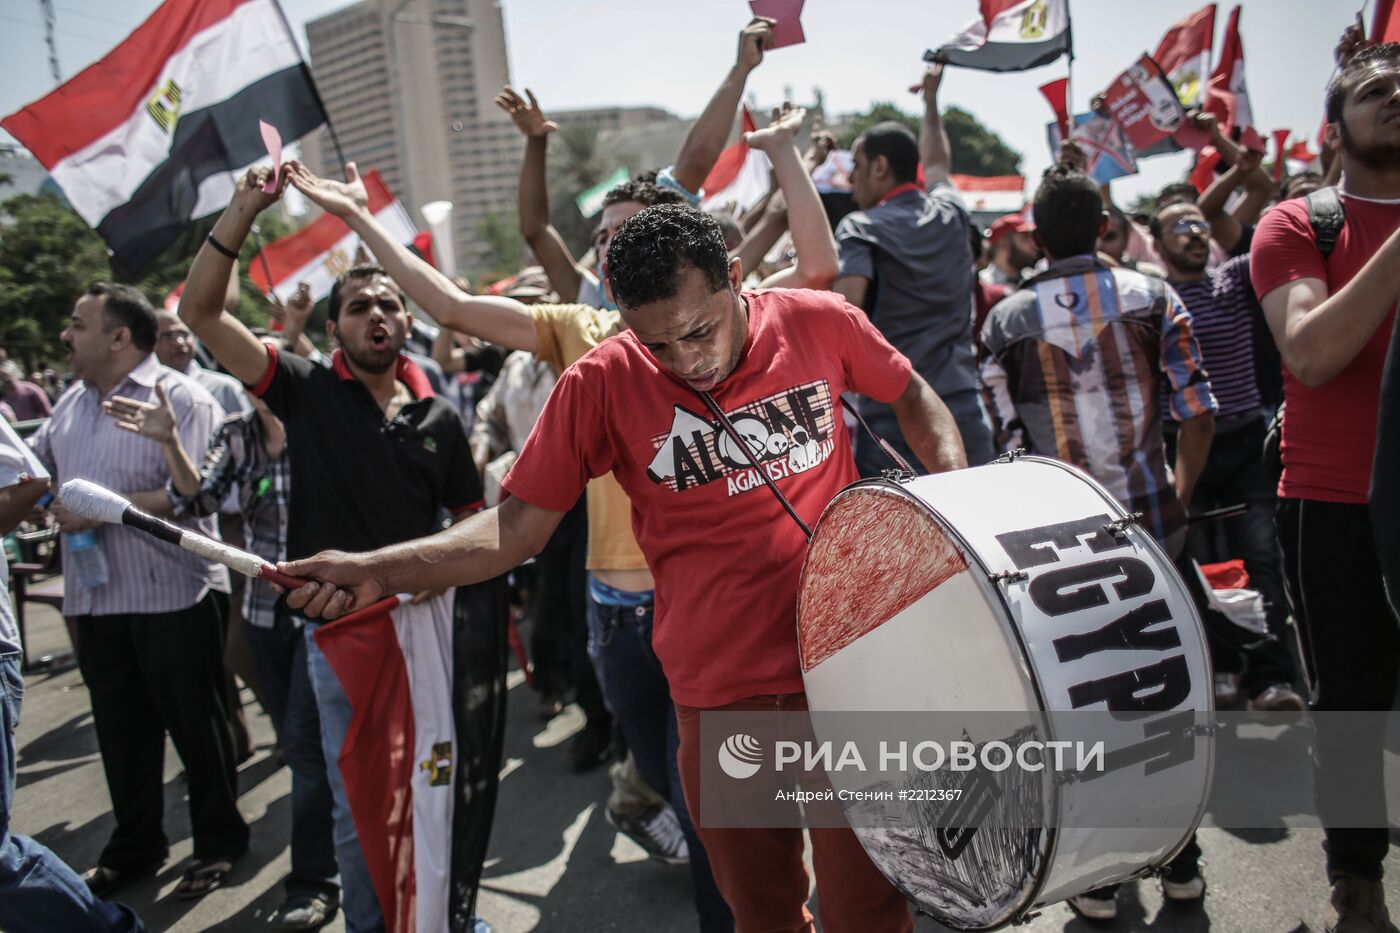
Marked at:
<point>672,53</point>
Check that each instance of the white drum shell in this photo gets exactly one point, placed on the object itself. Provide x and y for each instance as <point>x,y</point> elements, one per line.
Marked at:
<point>977,646</point>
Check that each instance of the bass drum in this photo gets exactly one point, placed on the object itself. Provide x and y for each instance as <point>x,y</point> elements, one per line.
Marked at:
<point>1003,588</point>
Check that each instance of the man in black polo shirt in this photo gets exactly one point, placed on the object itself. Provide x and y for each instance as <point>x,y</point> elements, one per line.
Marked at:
<point>375,457</point>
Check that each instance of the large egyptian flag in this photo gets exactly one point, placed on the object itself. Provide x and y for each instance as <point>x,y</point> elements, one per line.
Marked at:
<point>422,757</point>
<point>1010,35</point>
<point>319,252</point>
<point>155,134</point>
<point>740,177</point>
<point>1184,54</point>
<point>1228,98</point>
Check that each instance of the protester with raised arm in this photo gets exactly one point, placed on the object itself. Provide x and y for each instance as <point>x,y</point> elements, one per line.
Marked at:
<point>906,258</point>
<point>370,415</point>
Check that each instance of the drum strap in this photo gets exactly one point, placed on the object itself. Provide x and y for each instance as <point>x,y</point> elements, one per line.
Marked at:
<point>739,442</point>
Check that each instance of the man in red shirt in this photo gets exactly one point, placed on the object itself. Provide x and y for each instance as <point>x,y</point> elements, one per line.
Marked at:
<point>725,555</point>
<point>1331,315</point>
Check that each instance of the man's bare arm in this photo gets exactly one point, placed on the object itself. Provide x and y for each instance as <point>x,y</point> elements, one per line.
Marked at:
<point>533,198</point>
<point>1319,335</point>
<point>501,321</point>
<point>202,302</point>
<point>482,546</point>
<point>928,427</point>
<point>934,148</point>
<point>817,262</point>
<point>1192,449</point>
<point>707,135</point>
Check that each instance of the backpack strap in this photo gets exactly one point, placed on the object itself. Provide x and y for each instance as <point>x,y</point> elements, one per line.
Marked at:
<point>1327,215</point>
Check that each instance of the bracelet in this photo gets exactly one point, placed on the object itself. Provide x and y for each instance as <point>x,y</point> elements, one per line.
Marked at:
<point>221,247</point>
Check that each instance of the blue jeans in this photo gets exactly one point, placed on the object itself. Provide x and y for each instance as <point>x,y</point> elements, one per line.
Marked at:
<point>278,655</point>
<point>358,902</point>
<point>971,418</point>
<point>38,892</point>
<point>640,697</point>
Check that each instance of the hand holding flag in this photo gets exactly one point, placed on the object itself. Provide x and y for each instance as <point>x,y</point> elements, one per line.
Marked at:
<point>342,583</point>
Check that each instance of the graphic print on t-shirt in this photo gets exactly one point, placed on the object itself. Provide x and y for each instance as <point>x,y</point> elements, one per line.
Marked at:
<point>788,432</point>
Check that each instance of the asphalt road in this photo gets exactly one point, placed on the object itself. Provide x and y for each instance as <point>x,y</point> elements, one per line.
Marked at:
<point>555,864</point>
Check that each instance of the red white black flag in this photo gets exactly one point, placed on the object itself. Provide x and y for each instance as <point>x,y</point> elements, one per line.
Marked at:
<point>155,134</point>
<point>1010,35</point>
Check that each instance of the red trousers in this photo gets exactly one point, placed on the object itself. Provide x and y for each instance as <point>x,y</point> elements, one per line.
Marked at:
<point>760,871</point>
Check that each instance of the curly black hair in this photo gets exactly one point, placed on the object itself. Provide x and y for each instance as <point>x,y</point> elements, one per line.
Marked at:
<point>643,192</point>
<point>652,247</point>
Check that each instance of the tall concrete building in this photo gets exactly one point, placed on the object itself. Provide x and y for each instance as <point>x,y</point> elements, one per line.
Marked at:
<point>409,86</point>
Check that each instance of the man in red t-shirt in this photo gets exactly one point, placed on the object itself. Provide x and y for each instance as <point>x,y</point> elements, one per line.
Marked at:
<point>725,555</point>
<point>1331,316</point>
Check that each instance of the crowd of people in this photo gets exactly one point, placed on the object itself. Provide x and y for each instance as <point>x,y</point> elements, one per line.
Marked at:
<point>1226,349</point>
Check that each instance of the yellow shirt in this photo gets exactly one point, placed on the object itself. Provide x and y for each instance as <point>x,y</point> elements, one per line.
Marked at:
<point>563,333</point>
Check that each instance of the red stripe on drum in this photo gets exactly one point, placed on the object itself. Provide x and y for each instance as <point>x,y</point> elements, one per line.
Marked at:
<point>875,553</point>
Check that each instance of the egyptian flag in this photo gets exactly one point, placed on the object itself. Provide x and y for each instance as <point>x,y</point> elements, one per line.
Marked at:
<point>739,179</point>
<point>157,133</point>
<point>1010,35</point>
<point>422,757</point>
<point>993,194</point>
<point>319,252</point>
<point>1184,54</point>
<point>1227,97</point>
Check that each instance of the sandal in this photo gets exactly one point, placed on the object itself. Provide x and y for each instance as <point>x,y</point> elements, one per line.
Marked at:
<point>202,877</point>
<point>103,881</point>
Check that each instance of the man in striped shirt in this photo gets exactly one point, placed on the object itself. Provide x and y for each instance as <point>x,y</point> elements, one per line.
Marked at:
<point>1223,311</point>
<point>151,637</point>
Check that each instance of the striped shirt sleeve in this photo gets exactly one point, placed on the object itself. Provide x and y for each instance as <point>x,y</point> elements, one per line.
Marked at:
<point>1181,362</point>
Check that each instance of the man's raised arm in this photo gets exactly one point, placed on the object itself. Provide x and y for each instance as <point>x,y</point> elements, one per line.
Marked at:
<point>816,264</point>
<point>477,548</point>
<point>533,200</point>
<point>934,149</point>
<point>501,321</point>
<point>202,302</point>
<point>706,138</point>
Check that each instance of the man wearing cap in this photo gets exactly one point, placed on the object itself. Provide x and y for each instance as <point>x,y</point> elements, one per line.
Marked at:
<point>1013,251</point>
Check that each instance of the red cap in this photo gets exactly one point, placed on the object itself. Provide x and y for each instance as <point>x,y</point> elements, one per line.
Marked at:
<point>1007,223</point>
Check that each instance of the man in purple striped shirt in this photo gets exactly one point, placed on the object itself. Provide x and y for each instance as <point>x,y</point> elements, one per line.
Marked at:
<point>1223,307</point>
<point>150,636</point>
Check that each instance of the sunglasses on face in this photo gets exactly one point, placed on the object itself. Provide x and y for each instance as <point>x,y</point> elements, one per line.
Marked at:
<point>1189,226</point>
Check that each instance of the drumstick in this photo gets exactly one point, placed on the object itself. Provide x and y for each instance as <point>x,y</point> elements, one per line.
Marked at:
<point>88,499</point>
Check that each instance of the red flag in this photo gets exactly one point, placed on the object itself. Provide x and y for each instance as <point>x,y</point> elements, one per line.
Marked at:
<point>1300,152</point>
<point>1184,54</point>
<point>423,245</point>
<point>1280,141</point>
<point>394,661</point>
<point>1227,96</point>
<point>1057,94</point>
<point>1385,25</point>
<point>1204,171</point>
<point>323,249</point>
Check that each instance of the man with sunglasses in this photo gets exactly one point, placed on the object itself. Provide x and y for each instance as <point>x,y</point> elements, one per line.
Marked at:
<point>1223,311</point>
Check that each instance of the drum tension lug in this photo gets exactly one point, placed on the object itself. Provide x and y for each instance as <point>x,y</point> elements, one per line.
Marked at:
<point>895,476</point>
<point>1008,576</point>
<point>1011,455</point>
<point>1120,527</point>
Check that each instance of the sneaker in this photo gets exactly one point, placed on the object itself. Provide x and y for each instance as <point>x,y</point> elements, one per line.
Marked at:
<point>1227,689</point>
<point>592,746</point>
<point>657,831</point>
<point>550,704</point>
<point>1192,889</point>
<point>1359,906</point>
<point>303,913</point>
<point>1094,908</point>
<point>1279,698</point>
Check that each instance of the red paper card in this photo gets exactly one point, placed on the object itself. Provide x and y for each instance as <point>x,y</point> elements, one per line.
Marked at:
<point>273,141</point>
<point>787,13</point>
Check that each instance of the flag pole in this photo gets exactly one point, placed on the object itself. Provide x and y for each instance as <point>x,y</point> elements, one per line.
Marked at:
<point>262,260</point>
<point>311,79</point>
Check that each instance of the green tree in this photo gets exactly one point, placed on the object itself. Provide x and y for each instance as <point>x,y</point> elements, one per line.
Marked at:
<point>49,255</point>
<point>505,246</point>
<point>578,160</point>
<point>976,150</point>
